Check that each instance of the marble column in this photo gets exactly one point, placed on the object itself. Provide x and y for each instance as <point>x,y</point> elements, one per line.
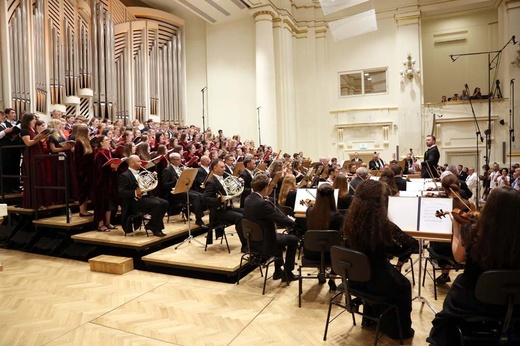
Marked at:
<point>266,78</point>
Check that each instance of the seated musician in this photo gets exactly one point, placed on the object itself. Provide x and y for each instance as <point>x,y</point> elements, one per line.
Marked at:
<point>368,230</point>
<point>376,163</point>
<point>361,175</point>
<point>134,200</point>
<point>259,209</point>
<point>400,182</point>
<point>221,209</point>
<point>170,176</point>
<point>202,174</point>
<point>344,199</point>
<point>247,177</point>
<point>228,161</point>
<point>287,196</point>
<point>387,177</point>
<point>490,243</point>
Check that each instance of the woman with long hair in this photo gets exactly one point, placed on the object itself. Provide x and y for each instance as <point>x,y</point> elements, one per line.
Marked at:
<point>368,230</point>
<point>83,159</point>
<point>491,243</point>
<point>33,140</point>
<point>387,177</point>
<point>105,185</point>
<point>287,195</point>
<point>344,199</point>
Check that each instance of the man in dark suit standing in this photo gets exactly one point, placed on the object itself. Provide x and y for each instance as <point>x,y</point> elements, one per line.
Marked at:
<point>247,178</point>
<point>169,178</point>
<point>431,159</point>
<point>221,208</point>
<point>376,164</point>
<point>134,200</point>
<point>259,209</point>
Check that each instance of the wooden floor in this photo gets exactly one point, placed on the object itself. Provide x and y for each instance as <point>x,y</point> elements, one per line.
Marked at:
<point>54,301</point>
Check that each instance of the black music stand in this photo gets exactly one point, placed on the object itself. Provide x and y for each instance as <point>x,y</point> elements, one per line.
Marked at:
<point>184,185</point>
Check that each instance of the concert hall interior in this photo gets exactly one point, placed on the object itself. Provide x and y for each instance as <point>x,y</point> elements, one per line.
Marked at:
<point>154,89</point>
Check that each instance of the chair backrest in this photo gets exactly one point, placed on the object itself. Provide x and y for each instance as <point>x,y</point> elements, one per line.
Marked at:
<point>321,240</point>
<point>287,211</point>
<point>252,231</point>
<point>498,287</point>
<point>350,264</point>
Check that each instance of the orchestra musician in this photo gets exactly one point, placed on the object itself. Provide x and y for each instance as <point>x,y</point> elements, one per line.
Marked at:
<point>287,195</point>
<point>133,200</point>
<point>220,208</point>
<point>368,230</point>
<point>361,175</point>
<point>400,182</point>
<point>490,243</point>
<point>202,174</point>
<point>431,159</point>
<point>259,209</point>
<point>409,164</point>
<point>228,161</point>
<point>356,158</point>
<point>247,178</point>
<point>170,176</point>
<point>376,164</point>
<point>344,199</point>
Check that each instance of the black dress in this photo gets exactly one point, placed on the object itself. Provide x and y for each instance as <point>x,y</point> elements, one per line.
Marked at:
<point>386,281</point>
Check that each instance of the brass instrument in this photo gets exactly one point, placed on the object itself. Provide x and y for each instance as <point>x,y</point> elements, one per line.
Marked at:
<point>233,187</point>
<point>147,180</point>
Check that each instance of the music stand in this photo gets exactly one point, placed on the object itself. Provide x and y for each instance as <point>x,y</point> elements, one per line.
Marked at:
<point>184,185</point>
<point>273,184</point>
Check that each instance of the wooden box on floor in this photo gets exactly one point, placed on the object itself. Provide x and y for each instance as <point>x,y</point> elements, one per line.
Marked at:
<point>111,264</point>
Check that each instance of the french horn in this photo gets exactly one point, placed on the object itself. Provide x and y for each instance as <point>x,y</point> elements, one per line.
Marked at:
<point>147,180</point>
<point>233,187</point>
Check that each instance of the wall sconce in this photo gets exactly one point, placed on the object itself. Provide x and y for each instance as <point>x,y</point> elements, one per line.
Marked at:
<point>516,60</point>
<point>409,71</point>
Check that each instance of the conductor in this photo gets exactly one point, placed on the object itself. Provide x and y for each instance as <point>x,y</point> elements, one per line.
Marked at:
<point>431,159</point>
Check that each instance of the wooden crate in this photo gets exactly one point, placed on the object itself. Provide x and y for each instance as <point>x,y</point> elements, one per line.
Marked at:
<point>111,264</point>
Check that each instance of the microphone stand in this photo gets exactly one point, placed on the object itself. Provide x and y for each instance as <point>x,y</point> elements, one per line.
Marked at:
<point>478,135</point>
<point>258,117</point>
<point>511,125</point>
<point>495,60</point>
<point>203,90</point>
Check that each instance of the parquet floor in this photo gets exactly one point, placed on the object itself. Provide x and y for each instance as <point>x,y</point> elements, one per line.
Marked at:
<point>53,301</point>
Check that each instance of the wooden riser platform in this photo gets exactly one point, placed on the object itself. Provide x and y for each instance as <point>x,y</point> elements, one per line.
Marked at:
<point>191,255</point>
<point>138,241</point>
<point>60,221</point>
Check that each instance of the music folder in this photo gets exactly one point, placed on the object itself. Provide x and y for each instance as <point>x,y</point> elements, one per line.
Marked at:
<point>185,181</point>
<point>115,160</point>
<point>418,213</point>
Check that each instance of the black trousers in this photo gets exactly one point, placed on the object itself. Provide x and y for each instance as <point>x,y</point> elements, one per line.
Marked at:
<point>233,216</point>
<point>156,207</point>
<point>291,243</point>
<point>195,199</point>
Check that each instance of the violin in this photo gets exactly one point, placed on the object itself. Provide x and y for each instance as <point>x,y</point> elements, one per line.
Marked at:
<point>462,217</point>
<point>307,202</point>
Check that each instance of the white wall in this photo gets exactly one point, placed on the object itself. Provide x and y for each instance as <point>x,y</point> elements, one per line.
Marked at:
<point>477,32</point>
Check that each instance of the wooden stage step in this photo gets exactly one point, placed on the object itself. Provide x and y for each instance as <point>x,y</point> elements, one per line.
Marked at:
<point>30,211</point>
<point>116,238</point>
<point>111,264</point>
<point>60,221</point>
<point>191,256</point>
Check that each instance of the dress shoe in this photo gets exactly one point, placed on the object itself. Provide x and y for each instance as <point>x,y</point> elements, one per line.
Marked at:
<point>278,274</point>
<point>158,233</point>
<point>442,279</point>
<point>292,277</point>
<point>332,286</point>
<point>201,224</point>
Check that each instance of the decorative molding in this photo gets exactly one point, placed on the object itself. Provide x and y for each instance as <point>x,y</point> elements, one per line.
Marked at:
<point>352,110</point>
<point>262,12</point>
<point>388,124</point>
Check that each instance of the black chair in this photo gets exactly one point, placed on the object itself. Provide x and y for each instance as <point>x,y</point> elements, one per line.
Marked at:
<point>219,228</point>
<point>434,258</point>
<point>501,288</point>
<point>319,242</point>
<point>178,208</point>
<point>135,222</point>
<point>254,234</point>
<point>397,253</point>
<point>354,265</point>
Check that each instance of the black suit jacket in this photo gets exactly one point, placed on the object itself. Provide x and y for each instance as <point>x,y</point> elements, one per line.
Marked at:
<point>168,180</point>
<point>373,164</point>
<point>199,179</point>
<point>267,216</point>
<point>400,183</point>
<point>247,186</point>
<point>209,197</point>
<point>127,186</point>
<point>431,159</point>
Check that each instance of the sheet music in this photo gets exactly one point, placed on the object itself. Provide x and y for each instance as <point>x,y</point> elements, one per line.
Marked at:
<point>303,194</point>
<point>404,211</point>
<point>428,221</point>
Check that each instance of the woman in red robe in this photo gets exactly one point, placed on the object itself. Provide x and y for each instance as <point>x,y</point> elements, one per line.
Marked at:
<point>83,159</point>
<point>105,185</point>
<point>34,147</point>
